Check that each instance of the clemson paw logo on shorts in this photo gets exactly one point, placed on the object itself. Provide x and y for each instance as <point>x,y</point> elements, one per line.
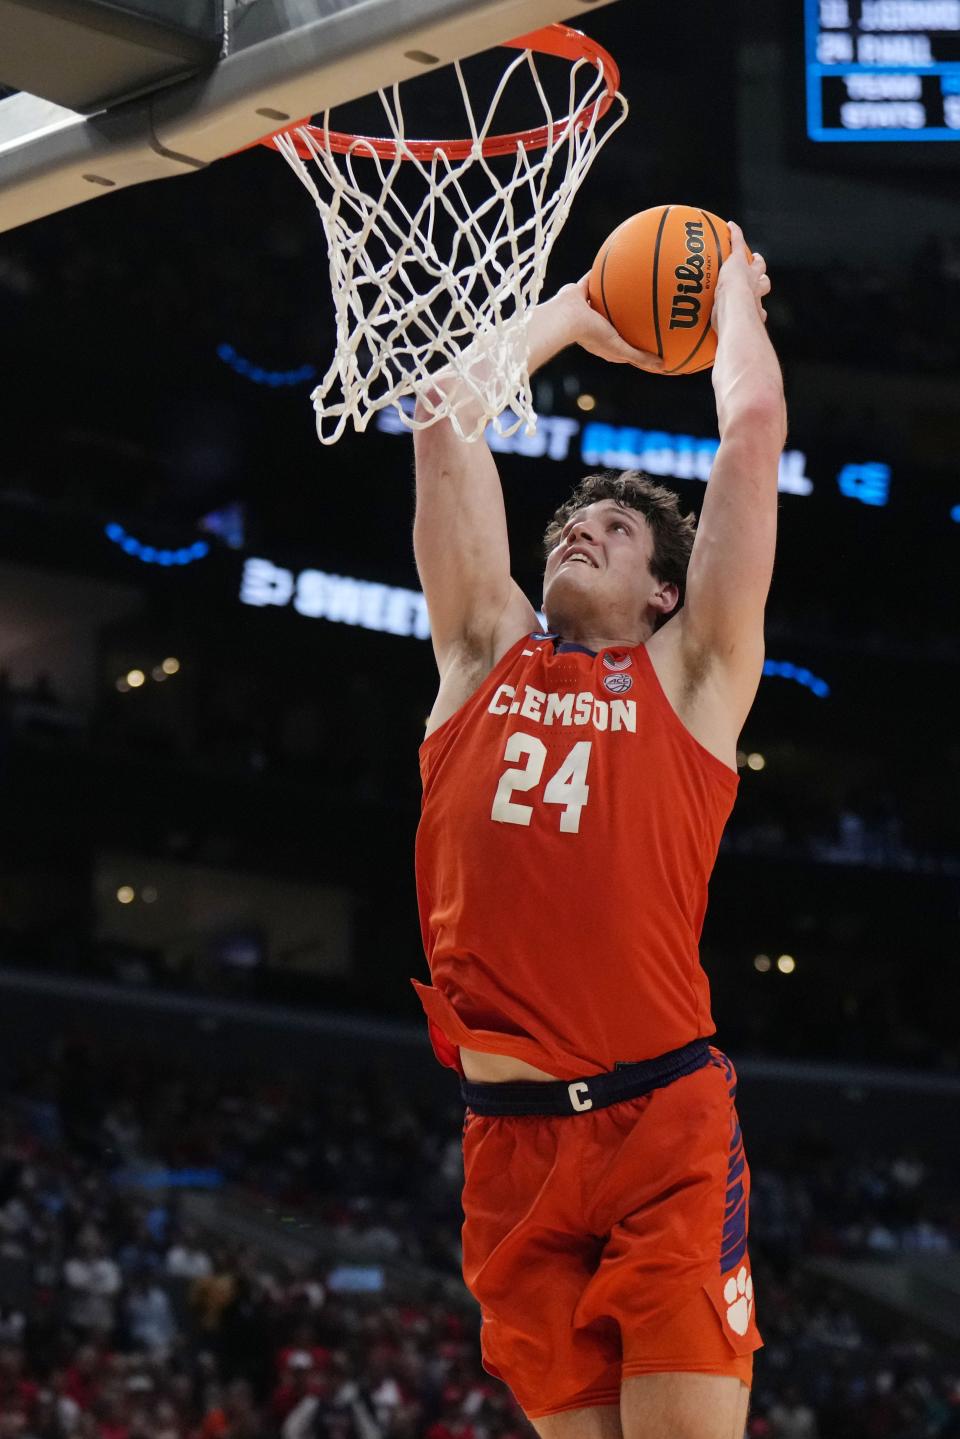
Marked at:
<point>738,1293</point>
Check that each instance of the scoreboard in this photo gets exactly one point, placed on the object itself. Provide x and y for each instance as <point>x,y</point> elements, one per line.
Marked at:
<point>882,70</point>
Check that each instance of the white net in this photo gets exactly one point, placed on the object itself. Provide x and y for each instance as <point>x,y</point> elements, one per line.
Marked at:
<point>435,275</point>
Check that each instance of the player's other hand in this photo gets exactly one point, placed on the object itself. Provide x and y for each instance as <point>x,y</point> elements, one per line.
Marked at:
<point>743,278</point>
<point>595,333</point>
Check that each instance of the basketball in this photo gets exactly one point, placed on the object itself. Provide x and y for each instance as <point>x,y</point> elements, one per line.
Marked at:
<point>655,278</point>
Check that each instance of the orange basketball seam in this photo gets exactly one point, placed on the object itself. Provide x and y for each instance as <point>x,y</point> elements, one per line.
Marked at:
<point>705,331</point>
<point>603,293</point>
<point>656,269</point>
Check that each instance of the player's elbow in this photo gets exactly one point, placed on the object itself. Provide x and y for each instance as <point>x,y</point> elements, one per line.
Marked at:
<point>758,419</point>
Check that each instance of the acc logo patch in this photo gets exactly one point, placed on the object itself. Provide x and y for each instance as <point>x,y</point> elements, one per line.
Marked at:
<point>617,661</point>
<point>618,684</point>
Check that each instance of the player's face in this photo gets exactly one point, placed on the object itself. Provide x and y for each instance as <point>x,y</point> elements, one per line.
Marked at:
<point>599,570</point>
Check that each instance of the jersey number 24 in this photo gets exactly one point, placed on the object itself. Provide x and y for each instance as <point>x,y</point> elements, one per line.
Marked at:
<point>567,787</point>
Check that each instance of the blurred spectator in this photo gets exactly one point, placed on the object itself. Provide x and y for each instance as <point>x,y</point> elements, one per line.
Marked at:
<point>187,1258</point>
<point>94,1280</point>
<point>233,1415</point>
<point>299,1381</point>
<point>16,1390</point>
<point>211,1293</point>
<point>149,1316</point>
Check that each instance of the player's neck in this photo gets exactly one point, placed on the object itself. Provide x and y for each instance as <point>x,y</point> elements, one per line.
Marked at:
<point>602,632</point>
<point>597,640</point>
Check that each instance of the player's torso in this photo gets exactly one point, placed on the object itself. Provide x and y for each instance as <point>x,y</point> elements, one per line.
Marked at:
<point>569,823</point>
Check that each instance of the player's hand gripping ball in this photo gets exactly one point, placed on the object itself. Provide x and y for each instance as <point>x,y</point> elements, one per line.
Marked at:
<point>655,279</point>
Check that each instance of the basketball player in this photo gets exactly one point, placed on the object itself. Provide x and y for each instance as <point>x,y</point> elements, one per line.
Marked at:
<point>576,784</point>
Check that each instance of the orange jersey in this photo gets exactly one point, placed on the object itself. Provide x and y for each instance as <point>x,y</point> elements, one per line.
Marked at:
<point>570,823</point>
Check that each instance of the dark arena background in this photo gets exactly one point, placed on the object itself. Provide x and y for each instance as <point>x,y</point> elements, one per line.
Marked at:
<point>229,1164</point>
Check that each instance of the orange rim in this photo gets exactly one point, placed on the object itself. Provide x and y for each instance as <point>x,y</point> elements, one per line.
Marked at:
<point>559,40</point>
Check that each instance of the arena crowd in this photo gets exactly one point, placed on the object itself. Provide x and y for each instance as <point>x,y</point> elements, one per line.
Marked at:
<point>122,1319</point>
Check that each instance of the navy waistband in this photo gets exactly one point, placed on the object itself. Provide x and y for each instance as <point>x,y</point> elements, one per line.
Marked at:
<point>594,1091</point>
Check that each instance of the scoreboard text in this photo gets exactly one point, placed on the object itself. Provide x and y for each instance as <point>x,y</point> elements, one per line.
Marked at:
<point>883,69</point>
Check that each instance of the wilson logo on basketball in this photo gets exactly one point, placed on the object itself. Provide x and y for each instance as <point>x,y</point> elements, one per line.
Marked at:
<point>685,311</point>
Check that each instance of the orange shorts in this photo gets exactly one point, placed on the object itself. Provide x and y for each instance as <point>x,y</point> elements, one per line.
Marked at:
<point>611,1243</point>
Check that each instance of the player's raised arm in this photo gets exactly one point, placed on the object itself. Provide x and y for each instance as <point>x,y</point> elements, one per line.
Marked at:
<point>460,531</point>
<point>732,560</point>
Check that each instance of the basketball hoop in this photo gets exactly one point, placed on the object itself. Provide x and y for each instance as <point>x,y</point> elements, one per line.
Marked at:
<point>445,282</point>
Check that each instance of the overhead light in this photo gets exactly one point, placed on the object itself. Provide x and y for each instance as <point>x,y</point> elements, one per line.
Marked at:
<point>122,685</point>
<point>741,758</point>
<point>170,666</point>
<point>762,963</point>
<point>755,761</point>
<point>148,894</point>
<point>786,964</point>
<point>586,402</point>
<point>159,674</point>
<point>126,894</point>
<point>135,678</point>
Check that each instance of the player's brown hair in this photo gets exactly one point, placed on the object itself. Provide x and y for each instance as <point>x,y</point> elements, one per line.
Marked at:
<point>673,532</point>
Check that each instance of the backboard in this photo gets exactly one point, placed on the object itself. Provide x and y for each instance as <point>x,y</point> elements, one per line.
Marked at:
<point>281,60</point>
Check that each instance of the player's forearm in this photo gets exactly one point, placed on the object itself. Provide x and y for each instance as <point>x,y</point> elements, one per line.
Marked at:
<point>551,327</point>
<point>747,381</point>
